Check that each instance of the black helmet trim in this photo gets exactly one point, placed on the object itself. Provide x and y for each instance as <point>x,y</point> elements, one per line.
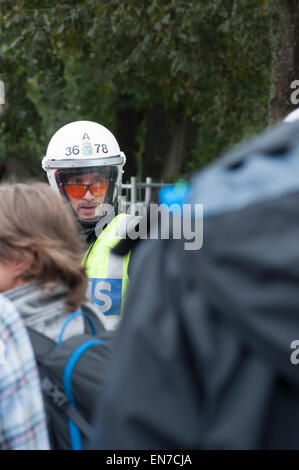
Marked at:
<point>67,163</point>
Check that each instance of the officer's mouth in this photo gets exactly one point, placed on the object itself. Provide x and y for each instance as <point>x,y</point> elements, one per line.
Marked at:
<point>87,209</point>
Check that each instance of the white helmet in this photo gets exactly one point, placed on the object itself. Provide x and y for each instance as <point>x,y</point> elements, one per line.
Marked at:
<point>84,164</point>
<point>292,116</point>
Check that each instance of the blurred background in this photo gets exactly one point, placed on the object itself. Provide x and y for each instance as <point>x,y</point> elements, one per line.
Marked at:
<point>177,81</point>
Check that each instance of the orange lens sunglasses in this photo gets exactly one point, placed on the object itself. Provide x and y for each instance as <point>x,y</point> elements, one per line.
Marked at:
<point>78,190</point>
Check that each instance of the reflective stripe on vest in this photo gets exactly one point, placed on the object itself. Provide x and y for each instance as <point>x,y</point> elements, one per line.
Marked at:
<point>107,272</point>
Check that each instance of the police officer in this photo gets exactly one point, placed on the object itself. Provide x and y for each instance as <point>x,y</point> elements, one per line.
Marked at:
<point>84,164</point>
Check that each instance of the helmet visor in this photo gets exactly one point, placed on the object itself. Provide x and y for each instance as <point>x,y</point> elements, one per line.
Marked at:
<point>86,189</point>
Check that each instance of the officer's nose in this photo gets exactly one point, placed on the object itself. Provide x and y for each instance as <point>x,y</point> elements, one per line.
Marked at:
<point>88,195</point>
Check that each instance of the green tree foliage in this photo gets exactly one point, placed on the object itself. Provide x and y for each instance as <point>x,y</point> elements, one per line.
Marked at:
<point>205,62</point>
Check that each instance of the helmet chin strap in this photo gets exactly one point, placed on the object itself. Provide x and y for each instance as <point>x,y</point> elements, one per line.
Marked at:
<point>105,220</point>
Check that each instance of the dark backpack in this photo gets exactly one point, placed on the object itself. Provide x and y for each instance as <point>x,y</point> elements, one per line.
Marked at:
<point>72,374</point>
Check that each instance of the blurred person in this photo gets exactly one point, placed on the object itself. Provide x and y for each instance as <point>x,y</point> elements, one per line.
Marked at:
<point>207,356</point>
<point>40,258</point>
<point>42,275</point>
<point>84,164</point>
<point>22,418</point>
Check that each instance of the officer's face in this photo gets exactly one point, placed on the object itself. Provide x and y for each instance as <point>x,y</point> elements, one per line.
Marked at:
<point>86,203</point>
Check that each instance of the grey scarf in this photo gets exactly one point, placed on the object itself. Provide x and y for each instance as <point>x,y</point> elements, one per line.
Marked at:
<point>43,309</point>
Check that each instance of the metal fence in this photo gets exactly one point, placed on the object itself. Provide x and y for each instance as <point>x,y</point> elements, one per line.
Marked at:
<point>137,193</point>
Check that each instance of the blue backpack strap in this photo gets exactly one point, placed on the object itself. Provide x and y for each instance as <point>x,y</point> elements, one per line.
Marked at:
<point>61,401</point>
<point>69,319</point>
<point>67,385</point>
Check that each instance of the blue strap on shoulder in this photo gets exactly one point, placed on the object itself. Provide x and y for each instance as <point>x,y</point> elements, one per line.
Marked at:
<point>69,319</point>
<point>67,385</point>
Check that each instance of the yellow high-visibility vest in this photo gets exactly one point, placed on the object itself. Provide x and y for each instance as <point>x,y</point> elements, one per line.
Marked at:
<point>107,272</point>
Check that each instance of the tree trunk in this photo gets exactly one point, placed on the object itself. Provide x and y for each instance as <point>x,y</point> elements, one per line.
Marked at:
<point>285,56</point>
<point>169,137</point>
<point>157,143</point>
<point>127,124</point>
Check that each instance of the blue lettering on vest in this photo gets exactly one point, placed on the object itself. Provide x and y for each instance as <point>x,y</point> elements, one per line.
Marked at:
<point>106,293</point>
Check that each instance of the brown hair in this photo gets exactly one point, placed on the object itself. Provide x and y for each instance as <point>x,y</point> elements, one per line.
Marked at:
<point>34,220</point>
